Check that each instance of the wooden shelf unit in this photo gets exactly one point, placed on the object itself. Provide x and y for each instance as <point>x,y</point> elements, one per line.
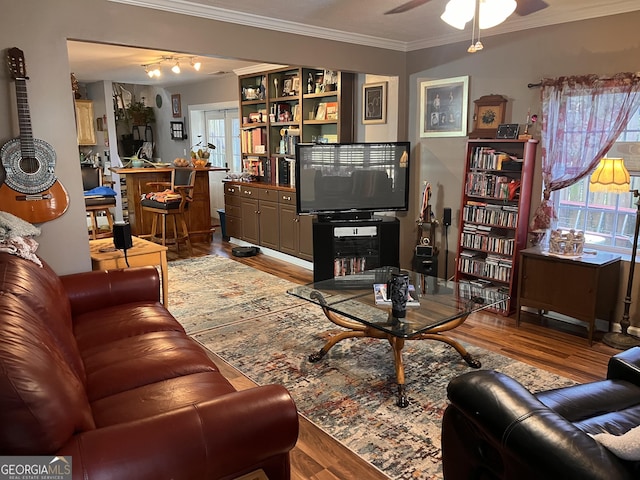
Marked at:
<point>494,216</point>
<point>278,101</point>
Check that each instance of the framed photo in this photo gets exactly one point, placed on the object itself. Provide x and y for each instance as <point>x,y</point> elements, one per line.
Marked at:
<point>176,107</point>
<point>374,103</point>
<point>443,107</point>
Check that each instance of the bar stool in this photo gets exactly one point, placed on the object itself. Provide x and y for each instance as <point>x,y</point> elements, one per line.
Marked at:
<point>96,204</point>
<point>170,203</point>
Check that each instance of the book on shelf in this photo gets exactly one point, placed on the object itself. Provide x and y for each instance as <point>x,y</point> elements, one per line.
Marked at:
<point>332,111</point>
<point>321,112</point>
<point>380,295</point>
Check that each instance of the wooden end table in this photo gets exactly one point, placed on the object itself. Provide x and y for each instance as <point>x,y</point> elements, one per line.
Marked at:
<point>104,256</point>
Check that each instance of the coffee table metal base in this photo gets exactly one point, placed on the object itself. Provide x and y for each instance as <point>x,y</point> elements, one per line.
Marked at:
<point>356,329</point>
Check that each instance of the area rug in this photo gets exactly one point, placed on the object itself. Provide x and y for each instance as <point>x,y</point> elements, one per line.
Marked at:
<point>351,393</point>
<point>205,292</point>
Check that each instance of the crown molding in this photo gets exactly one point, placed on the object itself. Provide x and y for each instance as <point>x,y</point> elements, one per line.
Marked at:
<point>184,7</point>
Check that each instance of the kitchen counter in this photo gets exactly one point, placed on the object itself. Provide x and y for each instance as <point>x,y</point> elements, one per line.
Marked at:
<point>199,211</point>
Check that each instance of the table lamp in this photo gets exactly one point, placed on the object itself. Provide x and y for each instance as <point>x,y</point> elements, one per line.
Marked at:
<point>612,176</point>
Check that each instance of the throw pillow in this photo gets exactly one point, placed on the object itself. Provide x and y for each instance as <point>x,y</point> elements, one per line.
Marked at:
<point>626,446</point>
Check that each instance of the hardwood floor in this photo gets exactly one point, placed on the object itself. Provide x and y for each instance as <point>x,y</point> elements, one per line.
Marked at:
<point>551,345</point>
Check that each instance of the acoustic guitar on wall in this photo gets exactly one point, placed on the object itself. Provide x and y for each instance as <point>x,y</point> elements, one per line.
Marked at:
<point>30,190</point>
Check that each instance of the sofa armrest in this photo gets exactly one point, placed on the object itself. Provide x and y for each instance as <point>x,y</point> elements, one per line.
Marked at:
<point>224,437</point>
<point>88,291</point>
<point>495,424</point>
<point>625,366</point>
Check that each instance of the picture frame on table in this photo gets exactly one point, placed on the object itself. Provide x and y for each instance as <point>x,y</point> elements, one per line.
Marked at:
<point>444,107</point>
<point>176,107</point>
<point>374,103</point>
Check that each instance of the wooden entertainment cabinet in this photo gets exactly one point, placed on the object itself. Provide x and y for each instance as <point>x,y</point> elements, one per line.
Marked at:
<point>345,247</point>
<point>265,214</point>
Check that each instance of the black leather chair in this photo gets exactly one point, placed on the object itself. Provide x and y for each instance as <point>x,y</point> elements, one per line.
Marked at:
<point>494,428</point>
<point>97,204</point>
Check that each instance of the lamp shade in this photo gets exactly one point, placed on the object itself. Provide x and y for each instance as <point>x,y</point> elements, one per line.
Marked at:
<point>610,176</point>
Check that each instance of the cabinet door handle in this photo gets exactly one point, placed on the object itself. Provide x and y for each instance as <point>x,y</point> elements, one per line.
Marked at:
<point>284,197</point>
<point>247,192</point>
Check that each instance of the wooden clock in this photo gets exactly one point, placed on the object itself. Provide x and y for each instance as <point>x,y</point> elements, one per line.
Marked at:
<point>488,115</point>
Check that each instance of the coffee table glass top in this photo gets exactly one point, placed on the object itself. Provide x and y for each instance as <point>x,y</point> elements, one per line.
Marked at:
<point>440,301</point>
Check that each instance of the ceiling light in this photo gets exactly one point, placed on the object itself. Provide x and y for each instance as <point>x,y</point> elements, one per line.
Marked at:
<point>196,64</point>
<point>176,67</point>
<point>492,12</point>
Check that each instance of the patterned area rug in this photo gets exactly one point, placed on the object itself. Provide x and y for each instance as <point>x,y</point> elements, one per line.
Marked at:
<point>351,393</point>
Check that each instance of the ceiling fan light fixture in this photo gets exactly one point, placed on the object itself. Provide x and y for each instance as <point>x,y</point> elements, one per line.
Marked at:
<point>196,64</point>
<point>458,12</point>
<point>494,12</point>
<point>176,68</point>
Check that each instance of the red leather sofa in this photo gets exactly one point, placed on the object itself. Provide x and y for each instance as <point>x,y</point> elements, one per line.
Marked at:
<point>92,366</point>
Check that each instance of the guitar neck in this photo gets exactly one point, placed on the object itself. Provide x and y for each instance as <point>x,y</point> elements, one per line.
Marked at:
<point>24,120</point>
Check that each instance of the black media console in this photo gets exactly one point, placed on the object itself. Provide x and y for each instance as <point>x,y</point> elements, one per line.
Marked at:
<point>345,247</point>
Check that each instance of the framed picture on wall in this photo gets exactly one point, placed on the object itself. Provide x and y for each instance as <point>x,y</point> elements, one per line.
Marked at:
<point>374,103</point>
<point>176,107</point>
<point>443,107</point>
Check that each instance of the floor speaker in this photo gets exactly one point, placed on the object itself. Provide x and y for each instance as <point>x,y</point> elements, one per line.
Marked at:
<point>122,235</point>
<point>446,216</point>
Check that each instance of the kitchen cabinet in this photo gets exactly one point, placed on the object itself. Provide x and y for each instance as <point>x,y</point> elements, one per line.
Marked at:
<point>84,122</point>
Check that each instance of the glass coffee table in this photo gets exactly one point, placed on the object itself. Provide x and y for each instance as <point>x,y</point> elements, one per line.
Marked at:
<point>348,301</point>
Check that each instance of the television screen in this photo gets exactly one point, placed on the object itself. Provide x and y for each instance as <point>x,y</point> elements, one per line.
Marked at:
<point>352,177</point>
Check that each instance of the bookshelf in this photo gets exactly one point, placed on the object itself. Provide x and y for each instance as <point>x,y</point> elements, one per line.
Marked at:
<point>282,107</point>
<point>494,216</point>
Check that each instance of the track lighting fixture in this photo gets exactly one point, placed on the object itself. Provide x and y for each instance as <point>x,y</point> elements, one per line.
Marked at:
<point>153,69</point>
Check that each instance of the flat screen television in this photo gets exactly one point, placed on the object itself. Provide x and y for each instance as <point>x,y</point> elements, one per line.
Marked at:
<point>351,181</point>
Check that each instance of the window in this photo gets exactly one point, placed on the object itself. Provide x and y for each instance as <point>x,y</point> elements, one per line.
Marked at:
<point>222,129</point>
<point>608,219</point>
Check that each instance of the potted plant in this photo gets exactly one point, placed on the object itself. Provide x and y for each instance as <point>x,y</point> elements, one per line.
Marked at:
<point>139,114</point>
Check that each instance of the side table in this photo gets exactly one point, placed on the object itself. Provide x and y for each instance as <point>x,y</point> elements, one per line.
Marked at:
<point>143,253</point>
<point>583,288</point>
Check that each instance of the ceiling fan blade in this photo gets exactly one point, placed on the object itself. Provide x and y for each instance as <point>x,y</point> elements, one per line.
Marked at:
<point>526,7</point>
<point>411,4</point>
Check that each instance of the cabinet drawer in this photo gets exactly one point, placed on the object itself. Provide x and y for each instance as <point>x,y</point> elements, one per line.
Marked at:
<point>288,198</point>
<point>268,194</point>
<point>248,191</point>
<point>231,189</point>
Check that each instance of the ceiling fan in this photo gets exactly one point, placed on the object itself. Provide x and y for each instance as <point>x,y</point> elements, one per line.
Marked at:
<point>525,7</point>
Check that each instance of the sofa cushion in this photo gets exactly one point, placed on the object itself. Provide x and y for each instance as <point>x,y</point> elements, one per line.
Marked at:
<point>136,361</point>
<point>122,321</point>
<point>43,400</point>
<point>42,290</point>
<point>160,397</point>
